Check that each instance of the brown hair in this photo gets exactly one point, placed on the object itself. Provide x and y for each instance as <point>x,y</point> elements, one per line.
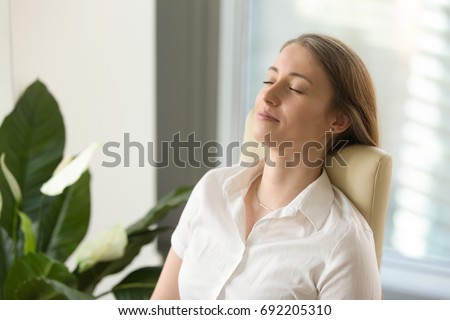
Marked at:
<point>354,93</point>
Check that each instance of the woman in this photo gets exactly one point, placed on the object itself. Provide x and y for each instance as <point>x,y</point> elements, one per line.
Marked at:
<point>278,230</point>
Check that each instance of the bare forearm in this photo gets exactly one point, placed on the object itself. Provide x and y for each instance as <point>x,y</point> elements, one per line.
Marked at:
<point>167,286</point>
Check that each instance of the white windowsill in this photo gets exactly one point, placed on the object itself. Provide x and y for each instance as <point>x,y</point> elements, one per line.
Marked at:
<point>427,278</point>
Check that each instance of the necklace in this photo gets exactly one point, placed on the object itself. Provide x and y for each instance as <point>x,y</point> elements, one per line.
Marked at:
<point>259,201</point>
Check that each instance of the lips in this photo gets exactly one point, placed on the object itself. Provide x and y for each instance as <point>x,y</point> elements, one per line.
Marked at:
<point>264,115</point>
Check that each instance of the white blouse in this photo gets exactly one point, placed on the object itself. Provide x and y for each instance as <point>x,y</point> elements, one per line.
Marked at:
<point>317,247</point>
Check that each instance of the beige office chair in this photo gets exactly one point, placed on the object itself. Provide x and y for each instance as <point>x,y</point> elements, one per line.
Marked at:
<point>365,181</point>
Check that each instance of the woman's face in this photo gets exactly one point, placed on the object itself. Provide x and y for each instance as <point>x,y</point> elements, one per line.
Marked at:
<point>294,102</point>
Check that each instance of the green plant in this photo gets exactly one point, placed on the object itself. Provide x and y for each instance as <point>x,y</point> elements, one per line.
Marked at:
<point>39,232</point>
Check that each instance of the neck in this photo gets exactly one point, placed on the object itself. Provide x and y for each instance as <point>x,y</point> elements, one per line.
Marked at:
<point>282,181</point>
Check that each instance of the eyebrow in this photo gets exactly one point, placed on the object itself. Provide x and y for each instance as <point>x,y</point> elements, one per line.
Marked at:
<point>294,74</point>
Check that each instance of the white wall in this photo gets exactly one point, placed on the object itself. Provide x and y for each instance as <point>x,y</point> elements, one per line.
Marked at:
<point>97,58</point>
<point>5,61</point>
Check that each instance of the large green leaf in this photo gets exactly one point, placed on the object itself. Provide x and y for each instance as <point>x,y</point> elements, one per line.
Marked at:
<point>64,225</point>
<point>8,216</point>
<point>13,197</point>
<point>159,211</point>
<point>32,137</point>
<point>32,267</point>
<point>47,289</point>
<point>88,279</point>
<point>6,256</point>
<point>138,236</point>
<point>138,285</point>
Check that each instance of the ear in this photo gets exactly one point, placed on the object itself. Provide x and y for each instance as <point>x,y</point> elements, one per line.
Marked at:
<point>341,122</point>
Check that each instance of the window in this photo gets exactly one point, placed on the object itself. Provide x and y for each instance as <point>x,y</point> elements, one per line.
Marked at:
<point>406,47</point>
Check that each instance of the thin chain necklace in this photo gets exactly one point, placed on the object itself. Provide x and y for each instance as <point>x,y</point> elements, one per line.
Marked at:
<point>259,201</point>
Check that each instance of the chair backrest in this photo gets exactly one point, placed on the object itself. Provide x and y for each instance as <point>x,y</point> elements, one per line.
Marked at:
<point>365,180</point>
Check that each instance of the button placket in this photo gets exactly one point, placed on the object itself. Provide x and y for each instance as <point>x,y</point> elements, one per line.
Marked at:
<point>232,270</point>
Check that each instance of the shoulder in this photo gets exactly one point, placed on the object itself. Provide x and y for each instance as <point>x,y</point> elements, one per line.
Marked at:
<point>350,234</point>
<point>212,183</point>
<point>347,212</point>
<point>331,212</point>
<point>223,173</point>
<point>350,237</point>
<point>218,176</point>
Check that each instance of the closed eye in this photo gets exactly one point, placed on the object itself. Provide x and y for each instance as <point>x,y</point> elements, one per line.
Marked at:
<point>290,88</point>
<point>295,90</point>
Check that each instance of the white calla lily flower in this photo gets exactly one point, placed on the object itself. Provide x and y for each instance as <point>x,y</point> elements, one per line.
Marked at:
<point>10,179</point>
<point>64,162</point>
<point>68,172</point>
<point>109,245</point>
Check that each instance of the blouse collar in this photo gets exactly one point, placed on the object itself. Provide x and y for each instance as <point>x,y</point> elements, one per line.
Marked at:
<point>314,201</point>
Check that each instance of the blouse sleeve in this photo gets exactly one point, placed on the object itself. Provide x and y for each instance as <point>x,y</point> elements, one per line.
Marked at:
<point>351,271</point>
<point>180,236</point>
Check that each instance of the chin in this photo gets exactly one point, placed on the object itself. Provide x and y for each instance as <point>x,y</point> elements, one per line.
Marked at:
<point>261,135</point>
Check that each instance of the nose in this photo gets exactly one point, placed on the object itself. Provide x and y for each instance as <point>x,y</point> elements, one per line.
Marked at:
<point>271,95</point>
